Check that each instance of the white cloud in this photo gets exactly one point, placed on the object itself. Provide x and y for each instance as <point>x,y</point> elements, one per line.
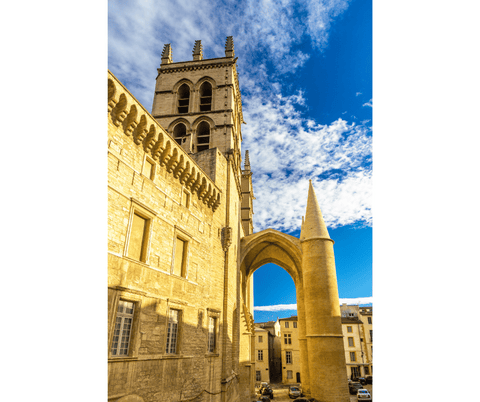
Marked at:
<point>286,149</point>
<point>283,307</point>
<point>369,103</point>
<point>358,93</point>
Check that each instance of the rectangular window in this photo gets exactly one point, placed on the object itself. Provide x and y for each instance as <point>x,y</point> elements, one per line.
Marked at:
<point>260,355</point>
<point>286,324</point>
<point>349,329</point>
<point>185,198</point>
<point>350,342</point>
<point>288,357</point>
<point>289,374</point>
<point>356,372</point>
<point>137,245</point>
<point>287,338</point>
<point>352,357</point>
<point>260,339</point>
<point>371,335</point>
<point>369,319</point>
<point>123,328</point>
<point>258,375</point>
<point>212,329</point>
<point>294,324</point>
<point>179,266</point>
<point>367,371</point>
<point>149,169</point>
<point>172,334</point>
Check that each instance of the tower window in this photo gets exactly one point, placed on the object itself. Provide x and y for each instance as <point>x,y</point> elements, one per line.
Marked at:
<point>203,136</point>
<point>206,97</point>
<point>179,133</point>
<point>183,98</point>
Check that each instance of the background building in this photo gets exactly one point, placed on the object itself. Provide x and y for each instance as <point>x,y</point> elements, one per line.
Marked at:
<point>358,353</point>
<point>289,335</point>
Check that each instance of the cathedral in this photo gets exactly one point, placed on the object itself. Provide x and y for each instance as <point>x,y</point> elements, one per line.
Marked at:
<point>182,251</point>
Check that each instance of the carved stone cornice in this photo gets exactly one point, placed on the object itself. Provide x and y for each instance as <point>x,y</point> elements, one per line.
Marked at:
<point>126,113</point>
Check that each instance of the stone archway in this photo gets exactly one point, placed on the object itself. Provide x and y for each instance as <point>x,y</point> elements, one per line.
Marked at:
<point>310,262</point>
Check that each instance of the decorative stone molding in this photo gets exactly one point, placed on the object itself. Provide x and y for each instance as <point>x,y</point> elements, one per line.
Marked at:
<point>127,113</point>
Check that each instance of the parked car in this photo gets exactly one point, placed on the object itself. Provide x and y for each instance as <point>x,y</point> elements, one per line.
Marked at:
<point>368,379</point>
<point>264,398</point>
<point>266,389</point>
<point>361,380</point>
<point>353,387</point>
<point>363,395</point>
<point>294,392</point>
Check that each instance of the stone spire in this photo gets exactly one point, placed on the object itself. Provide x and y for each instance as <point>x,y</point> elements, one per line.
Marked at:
<point>247,161</point>
<point>229,52</point>
<point>314,225</point>
<point>167,54</point>
<point>198,50</point>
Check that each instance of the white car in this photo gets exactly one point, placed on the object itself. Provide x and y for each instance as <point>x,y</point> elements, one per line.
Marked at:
<point>363,395</point>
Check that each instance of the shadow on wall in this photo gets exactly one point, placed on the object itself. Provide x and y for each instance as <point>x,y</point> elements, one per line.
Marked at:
<point>172,356</point>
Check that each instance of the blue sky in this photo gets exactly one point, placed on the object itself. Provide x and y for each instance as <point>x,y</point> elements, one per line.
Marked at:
<point>305,72</point>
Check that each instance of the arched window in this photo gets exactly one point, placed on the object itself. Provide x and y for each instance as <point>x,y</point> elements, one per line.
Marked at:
<point>206,97</point>
<point>179,133</point>
<point>183,98</point>
<point>203,136</point>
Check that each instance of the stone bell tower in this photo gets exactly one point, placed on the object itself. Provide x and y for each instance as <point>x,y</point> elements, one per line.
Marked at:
<point>199,103</point>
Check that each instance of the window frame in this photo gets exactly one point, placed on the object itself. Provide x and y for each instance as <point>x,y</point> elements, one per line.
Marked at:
<point>185,194</point>
<point>199,147</point>
<point>349,329</point>
<point>287,324</point>
<point>133,346</point>
<point>136,208</point>
<point>260,338</point>
<point>178,99</point>
<point>258,375</point>
<point>187,239</point>
<point>153,171</point>
<point>295,324</point>
<point>168,333</point>
<point>369,320</point>
<point>351,342</point>
<point>212,334</point>
<point>287,337</point>
<point>123,316</point>
<point>353,356</point>
<point>260,355</point>
<point>289,374</point>
<point>288,357</point>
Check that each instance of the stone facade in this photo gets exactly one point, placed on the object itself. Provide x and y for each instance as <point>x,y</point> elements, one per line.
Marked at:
<point>358,342</point>
<point>181,248</point>
<point>290,344</point>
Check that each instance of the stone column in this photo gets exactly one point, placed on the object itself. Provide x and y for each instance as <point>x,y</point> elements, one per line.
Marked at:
<point>326,354</point>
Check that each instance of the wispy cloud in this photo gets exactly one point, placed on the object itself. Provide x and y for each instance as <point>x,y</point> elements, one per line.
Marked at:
<point>358,94</point>
<point>284,307</point>
<point>369,103</point>
<point>286,149</point>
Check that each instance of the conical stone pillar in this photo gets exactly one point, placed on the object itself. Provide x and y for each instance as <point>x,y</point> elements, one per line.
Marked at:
<point>326,354</point>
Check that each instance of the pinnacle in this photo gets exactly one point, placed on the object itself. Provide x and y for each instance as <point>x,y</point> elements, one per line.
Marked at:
<point>314,225</point>
<point>247,161</point>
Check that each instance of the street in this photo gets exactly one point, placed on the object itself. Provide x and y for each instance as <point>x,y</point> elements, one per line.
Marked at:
<point>280,393</point>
